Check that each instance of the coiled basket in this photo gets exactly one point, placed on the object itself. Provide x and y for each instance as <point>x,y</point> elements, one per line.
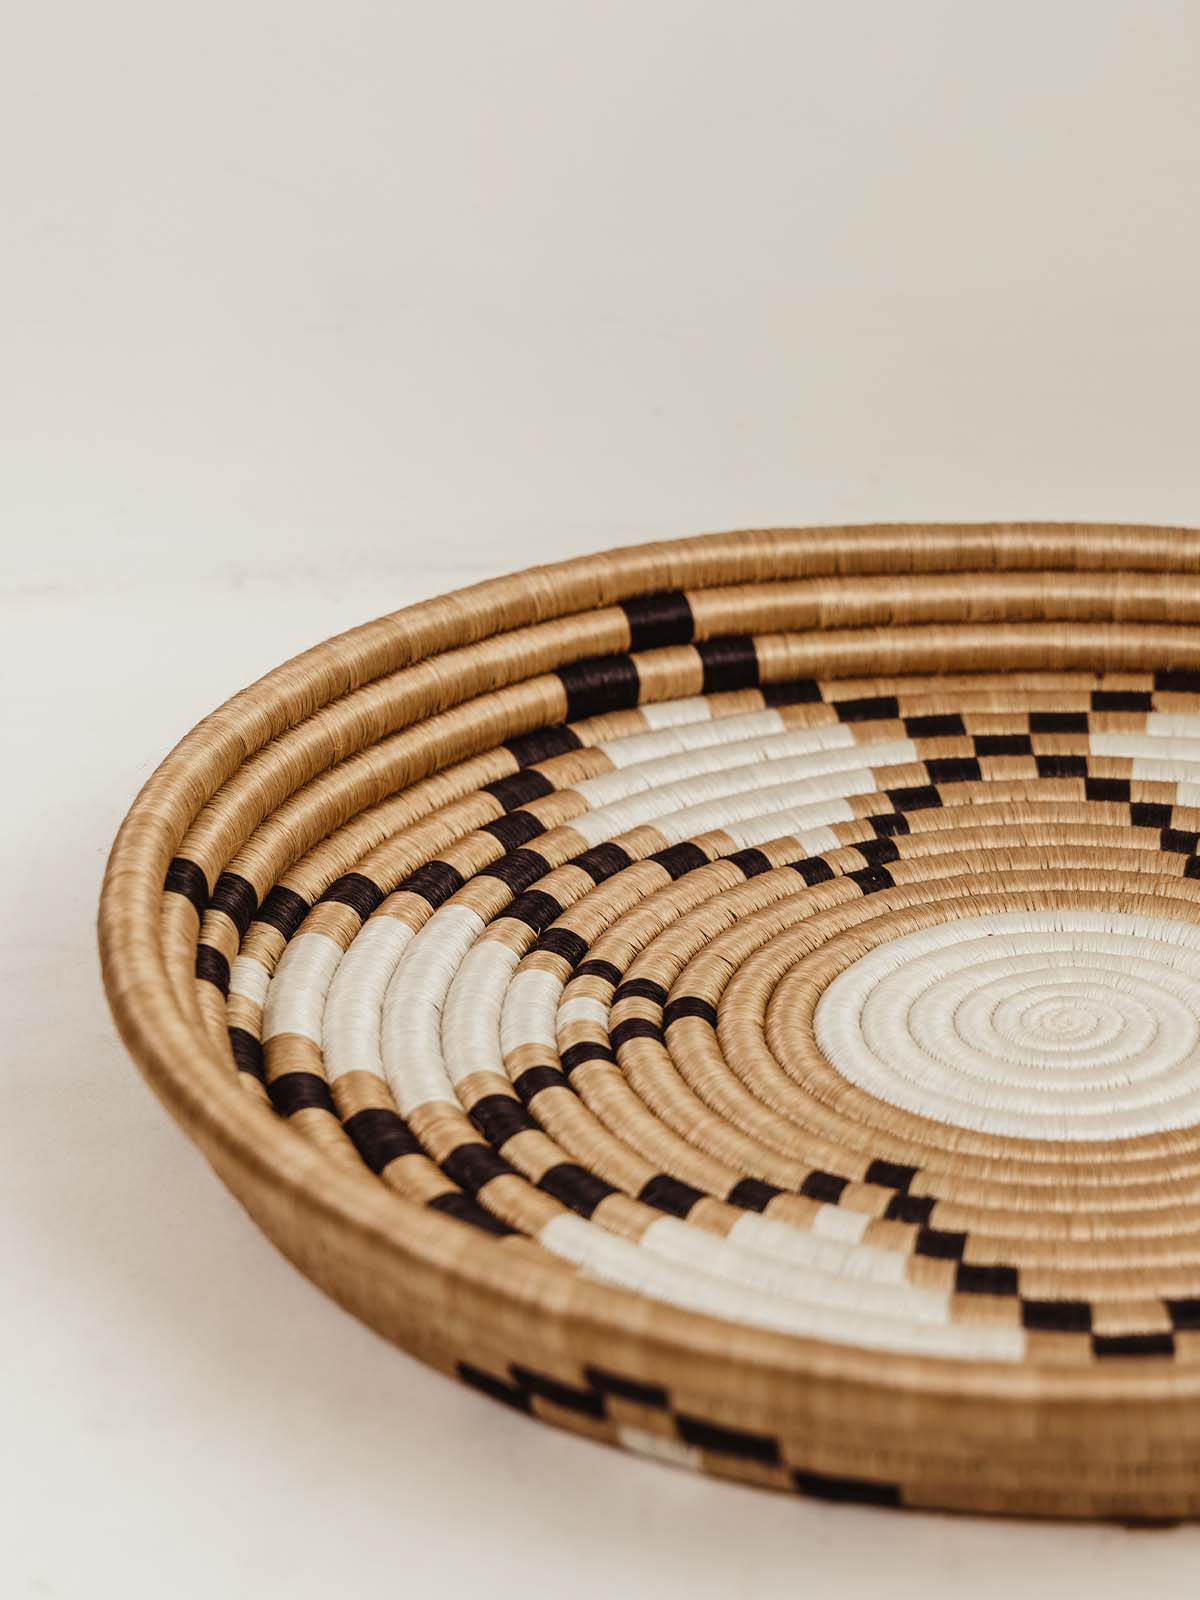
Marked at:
<point>736,998</point>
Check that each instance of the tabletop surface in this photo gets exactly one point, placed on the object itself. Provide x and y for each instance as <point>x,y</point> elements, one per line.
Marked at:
<point>313,311</point>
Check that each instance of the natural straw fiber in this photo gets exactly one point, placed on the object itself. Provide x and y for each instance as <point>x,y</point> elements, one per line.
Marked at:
<point>736,998</point>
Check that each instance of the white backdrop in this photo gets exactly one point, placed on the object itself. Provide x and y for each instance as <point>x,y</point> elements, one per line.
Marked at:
<point>309,310</point>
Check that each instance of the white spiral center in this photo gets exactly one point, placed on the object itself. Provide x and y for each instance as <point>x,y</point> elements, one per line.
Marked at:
<point>1042,1025</point>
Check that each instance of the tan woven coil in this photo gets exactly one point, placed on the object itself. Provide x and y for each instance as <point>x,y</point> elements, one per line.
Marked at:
<point>738,998</point>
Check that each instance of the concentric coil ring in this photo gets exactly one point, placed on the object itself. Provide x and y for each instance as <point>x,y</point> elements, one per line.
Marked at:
<point>1043,1026</point>
<point>738,998</point>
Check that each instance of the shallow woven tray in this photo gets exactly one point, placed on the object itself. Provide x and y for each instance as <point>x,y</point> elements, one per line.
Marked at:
<point>735,998</point>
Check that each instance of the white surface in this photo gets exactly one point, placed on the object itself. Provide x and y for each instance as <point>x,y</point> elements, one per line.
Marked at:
<point>308,310</point>
<point>1030,1024</point>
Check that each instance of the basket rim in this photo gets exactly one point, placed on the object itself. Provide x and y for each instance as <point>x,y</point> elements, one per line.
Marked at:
<point>312,1196</point>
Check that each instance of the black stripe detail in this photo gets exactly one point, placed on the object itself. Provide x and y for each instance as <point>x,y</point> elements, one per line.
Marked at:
<point>947,725</point>
<point>826,1187</point>
<point>680,858</point>
<point>634,1028</point>
<point>463,1209</point>
<point>471,1166</point>
<point>435,882</point>
<point>536,909</point>
<point>301,1091</point>
<point>888,824</point>
<point>1058,722</point>
<point>601,683</point>
<point>904,1207</point>
<point>603,861</point>
<point>519,789</point>
<point>872,708</point>
<point>604,970</point>
<point>1147,814</point>
<point>356,891</point>
<point>1185,1313</point>
<point>871,879</point>
<point>668,1194</point>
<point>973,1279</point>
<point>752,1194</point>
<point>534,1079</point>
<point>518,870</point>
<point>1003,744</point>
<point>724,1441</point>
<point>578,1055</point>
<point>656,620</point>
<point>751,862</point>
<point>796,692</point>
<point>1122,700</point>
<point>380,1135</point>
<point>560,1394</point>
<point>186,878</point>
<point>248,1053</point>
<point>1179,841</point>
<point>846,1491</point>
<point>1057,1316</point>
<point>562,942</point>
<point>955,769</point>
<point>1133,1344</point>
<point>283,909</point>
<point>498,1117</point>
<point>877,851</point>
<point>651,1395</point>
<point>575,1187</point>
<point>813,869</point>
<point>689,1005</point>
<point>495,1388</point>
<point>542,744</point>
<point>236,898</point>
<point>212,967</point>
<point>729,663</point>
<point>1178,681</point>
<point>940,1244</point>
<point>920,797</point>
<point>514,829</point>
<point>640,989</point>
<point>891,1175</point>
<point>1115,790</point>
<point>1061,766</point>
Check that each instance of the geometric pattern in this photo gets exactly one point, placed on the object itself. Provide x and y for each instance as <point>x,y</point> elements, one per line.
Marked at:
<point>831,984</point>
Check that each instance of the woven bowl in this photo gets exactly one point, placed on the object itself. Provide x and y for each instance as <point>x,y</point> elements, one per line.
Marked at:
<point>736,998</point>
